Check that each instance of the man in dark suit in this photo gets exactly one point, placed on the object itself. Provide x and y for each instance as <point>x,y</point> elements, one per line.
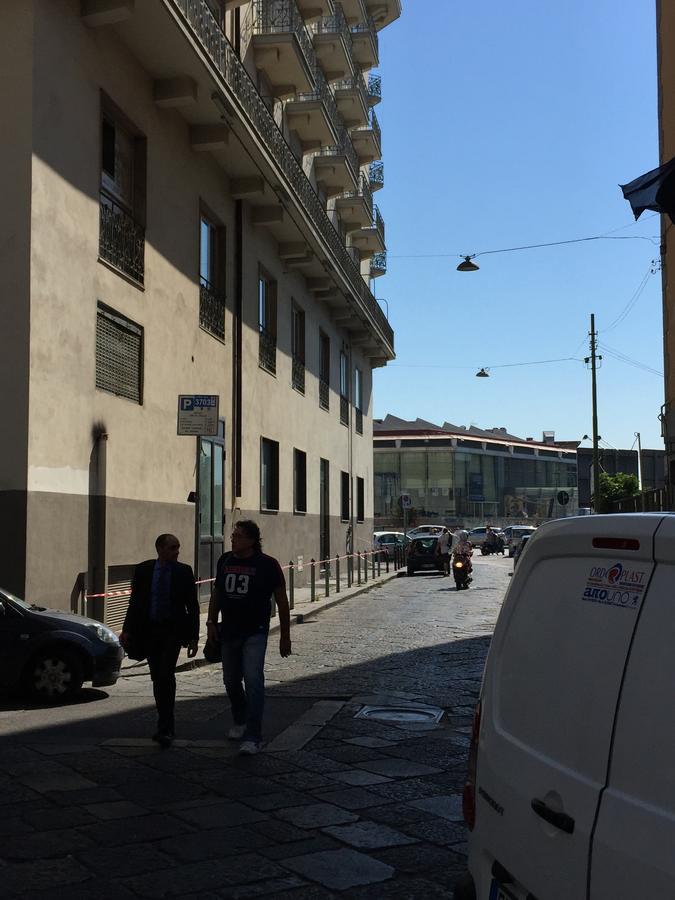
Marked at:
<point>163,616</point>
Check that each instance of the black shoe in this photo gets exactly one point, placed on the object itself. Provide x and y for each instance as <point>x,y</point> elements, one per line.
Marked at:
<point>163,738</point>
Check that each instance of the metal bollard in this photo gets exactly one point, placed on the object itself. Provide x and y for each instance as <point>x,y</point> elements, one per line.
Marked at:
<point>372,564</point>
<point>291,585</point>
<point>358,566</point>
<point>365,567</point>
<point>386,562</point>
<point>312,582</point>
<point>337,573</point>
<point>379,564</point>
<point>350,570</point>
<point>326,577</point>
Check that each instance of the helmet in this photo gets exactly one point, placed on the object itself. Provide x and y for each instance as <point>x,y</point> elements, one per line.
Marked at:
<point>463,535</point>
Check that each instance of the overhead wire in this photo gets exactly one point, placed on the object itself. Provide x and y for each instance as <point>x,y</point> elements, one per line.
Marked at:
<point>622,357</point>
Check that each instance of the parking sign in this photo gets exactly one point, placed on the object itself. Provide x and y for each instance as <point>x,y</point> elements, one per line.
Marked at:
<point>198,414</point>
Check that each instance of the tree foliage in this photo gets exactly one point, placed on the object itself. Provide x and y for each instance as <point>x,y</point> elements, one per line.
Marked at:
<point>616,487</point>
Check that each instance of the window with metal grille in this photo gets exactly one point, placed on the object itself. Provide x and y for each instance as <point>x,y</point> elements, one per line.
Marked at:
<point>299,480</point>
<point>358,399</point>
<point>344,388</point>
<point>298,347</point>
<point>360,499</point>
<point>324,370</point>
<point>267,322</point>
<point>344,496</point>
<point>119,355</point>
<point>269,474</point>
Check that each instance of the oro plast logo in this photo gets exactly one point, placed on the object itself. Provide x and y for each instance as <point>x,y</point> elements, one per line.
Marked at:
<point>614,574</point>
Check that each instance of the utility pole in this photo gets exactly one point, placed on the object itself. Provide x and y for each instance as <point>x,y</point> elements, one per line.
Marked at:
<point>639,443</point>
<point>594,358</point>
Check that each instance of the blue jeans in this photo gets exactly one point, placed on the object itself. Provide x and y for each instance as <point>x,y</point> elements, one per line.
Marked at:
<point>244,660</point>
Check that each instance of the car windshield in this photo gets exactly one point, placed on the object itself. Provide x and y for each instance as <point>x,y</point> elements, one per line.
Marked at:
<point>425,543</point>
<point>21,603</point>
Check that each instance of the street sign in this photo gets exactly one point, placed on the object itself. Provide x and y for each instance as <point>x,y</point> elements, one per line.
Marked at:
<point>563,498</point>
<point>406,501</point>
<point>198,415</point>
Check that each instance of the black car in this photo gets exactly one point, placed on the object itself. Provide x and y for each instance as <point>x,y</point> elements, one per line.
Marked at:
<point>51,653</point>
<point>422,555</point>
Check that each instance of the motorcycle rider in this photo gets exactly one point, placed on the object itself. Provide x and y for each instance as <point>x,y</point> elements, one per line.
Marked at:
<point>463,548</point>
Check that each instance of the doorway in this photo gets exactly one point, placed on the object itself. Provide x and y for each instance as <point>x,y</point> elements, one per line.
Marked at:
<point>210,508</point>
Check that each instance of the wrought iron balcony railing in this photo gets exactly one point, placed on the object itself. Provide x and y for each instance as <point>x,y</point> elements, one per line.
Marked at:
<point>267,350</point>
<point>333,24</point>
<point>344,410</point>
<point>374,89</point>
<point>376,175</point>
<point>378,221</point>
<point>358,421</point>
<point>212,310</point>
<point>298,374</point>
<point>345,147</point>
<point>375,125</point>
<point>278,17</point>
<point>355,83</point>
<point>355,255</point>
<point>378,265</point>
<point>363,191</point>
<point>229,69</point>
<point>324,94</point>
<point>368,27</point>
<point>121,240</point>
<point>324,394</point>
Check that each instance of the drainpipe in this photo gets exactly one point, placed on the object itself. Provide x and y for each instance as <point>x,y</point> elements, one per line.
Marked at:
<point>97,531</point>
<point>236,353</point>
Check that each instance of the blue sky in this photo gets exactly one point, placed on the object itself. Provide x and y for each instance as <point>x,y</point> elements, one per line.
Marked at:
<point>506,124</point>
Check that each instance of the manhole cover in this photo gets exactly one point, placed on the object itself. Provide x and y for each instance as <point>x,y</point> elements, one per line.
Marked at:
<point>401,713</point>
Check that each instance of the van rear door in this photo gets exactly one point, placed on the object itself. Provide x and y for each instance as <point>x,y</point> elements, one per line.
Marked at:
<point>633,848</point>
<point>550,692</point>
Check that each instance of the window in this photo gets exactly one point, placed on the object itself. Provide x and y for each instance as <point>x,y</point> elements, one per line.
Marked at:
<point>211,277</point>
<point>358,399</point>
<point>299,481</point>
<point>344,496</point>
<point>119,355</point>
<point>298,347</point>
<point>269,474</point>
<point>344,388</point>
<point>324,370</point>
<point>360,500</point>
<point>122,196</point>
<point>267,322</point>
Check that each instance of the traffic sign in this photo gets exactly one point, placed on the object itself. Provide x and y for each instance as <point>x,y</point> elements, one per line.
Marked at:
<point>563,498</point>
<point>406,501</point>
<point>198,415</point>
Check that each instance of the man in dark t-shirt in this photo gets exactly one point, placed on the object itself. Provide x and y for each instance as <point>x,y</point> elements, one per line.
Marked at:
<point>246,581</point>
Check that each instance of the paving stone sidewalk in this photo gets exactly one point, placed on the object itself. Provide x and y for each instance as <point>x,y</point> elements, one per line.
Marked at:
<point>336,805</point>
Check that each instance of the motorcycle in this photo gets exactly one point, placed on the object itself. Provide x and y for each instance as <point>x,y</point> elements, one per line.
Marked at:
<point>461,571</point>
<point>496,546</point>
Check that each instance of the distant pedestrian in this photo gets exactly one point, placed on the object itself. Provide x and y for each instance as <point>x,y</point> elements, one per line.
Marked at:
<point>442,549</point>
<point>246,581</point>
<point>162,617</point>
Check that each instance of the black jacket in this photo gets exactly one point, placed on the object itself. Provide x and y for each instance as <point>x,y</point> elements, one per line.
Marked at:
<point>184,603</point>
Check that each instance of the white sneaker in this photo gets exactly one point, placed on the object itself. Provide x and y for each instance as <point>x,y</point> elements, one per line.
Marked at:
<point>249,748</point>
<point>236,733</point>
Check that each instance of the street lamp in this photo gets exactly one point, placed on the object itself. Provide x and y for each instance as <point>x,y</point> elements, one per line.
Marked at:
<point>483,373</point>
<point>467,266</point>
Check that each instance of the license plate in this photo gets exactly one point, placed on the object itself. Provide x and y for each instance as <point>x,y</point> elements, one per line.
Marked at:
<point>428,566</point>
<point>499,892</point>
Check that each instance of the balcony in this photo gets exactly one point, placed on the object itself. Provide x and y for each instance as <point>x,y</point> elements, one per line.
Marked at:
<point>311,9</point>
<point>281,43</point>
<point>376,175</point>
<point>212,310</point>
<point>368,140</point>
<point>314,116</point>
<point>333,44</point>
<point>121,240</point>
<point>355,208</point>
<point>267,351</point>
<point>378,265</point>
<point>365,44</point>
<point>324,394</point>
<point>351,96</point>
<point>336,168</point>
<point>221,69</point>
<point>298,374</point>
<point>383,12</point>
<point>374,90</point>
<point>354,11</point>
<point>370,240</point>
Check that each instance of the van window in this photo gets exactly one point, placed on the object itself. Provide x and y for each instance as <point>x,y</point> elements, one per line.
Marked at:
<point>560,664</point>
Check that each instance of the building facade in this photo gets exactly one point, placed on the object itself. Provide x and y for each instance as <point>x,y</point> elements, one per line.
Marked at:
<point>469,476</point>
<point>187,209</point>
<point>648,465</point>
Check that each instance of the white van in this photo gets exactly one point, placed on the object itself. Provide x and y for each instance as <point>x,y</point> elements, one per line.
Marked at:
<point>571,786</point>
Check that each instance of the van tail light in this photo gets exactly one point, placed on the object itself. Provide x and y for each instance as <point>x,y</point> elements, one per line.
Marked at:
<point>469,795</point>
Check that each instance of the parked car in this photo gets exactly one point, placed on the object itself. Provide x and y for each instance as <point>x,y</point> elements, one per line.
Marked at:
<point>422,555</point>
<point>52,653</point>
<point>520,549</point>
<point>424,529</point>
<point>570,791</point>
<point>513,535</point>
<point>387,541</point>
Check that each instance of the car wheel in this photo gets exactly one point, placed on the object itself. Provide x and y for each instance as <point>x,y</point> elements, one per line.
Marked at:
<point>54,675</point>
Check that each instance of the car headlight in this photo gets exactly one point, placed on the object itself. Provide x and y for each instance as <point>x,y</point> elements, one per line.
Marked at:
<point>104,634</point>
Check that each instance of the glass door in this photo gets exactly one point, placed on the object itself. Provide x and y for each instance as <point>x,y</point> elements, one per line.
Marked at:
<point>210,511</point>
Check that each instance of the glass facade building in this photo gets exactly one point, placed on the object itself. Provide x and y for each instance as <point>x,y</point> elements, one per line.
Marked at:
<point>462,479</point>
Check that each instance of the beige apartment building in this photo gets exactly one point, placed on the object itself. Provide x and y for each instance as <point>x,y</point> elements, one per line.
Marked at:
<point>187,208</point>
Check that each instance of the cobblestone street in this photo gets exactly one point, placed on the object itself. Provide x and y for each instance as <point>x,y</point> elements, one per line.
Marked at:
<point>335,806</point>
